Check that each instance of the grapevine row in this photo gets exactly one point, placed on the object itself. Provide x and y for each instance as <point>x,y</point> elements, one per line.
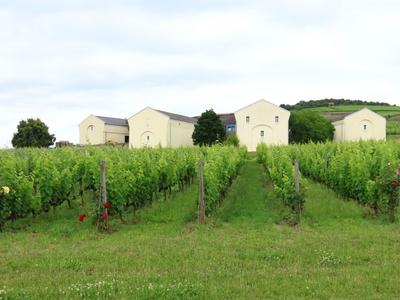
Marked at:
<point>36,180</point>
<point>221,167</point>
<point>365,171</point>
<point>280,169</point>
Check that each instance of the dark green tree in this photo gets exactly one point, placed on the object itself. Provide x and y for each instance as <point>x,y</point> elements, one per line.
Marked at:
<point>209,129</point>
<point>306,126</point>
<point>32,133</point>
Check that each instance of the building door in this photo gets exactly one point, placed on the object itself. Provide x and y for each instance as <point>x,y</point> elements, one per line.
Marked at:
<point>148,139</point>
<point>261,134</point>
<point>367,130</point>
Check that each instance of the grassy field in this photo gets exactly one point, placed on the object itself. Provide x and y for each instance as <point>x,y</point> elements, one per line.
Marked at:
<point>243,252</point>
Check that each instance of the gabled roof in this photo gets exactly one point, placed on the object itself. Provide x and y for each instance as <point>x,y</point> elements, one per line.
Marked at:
<point>113,121</point>
<point>227,119</point>
<point>346,115</point>
<point>177,117</point>
<point>265,101</point>
<point>334,117</point>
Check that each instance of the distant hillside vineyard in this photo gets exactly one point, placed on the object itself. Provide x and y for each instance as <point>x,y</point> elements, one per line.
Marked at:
<point>329,103</point>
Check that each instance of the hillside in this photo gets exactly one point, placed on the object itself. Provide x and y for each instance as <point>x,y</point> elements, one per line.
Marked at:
<point>332,103</point>
<point>391,113</point>
<point>386,111</point>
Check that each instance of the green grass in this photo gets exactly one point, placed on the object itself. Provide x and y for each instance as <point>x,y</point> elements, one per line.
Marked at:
<point>243,252</point>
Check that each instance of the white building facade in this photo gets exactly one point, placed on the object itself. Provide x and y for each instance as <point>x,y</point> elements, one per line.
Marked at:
<point>262,122</point>
<point>361,125</point>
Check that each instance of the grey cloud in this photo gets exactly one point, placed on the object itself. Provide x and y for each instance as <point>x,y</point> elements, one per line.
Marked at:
<point>62,60</point>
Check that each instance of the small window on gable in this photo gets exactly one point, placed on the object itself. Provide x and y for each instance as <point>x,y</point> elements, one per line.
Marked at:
<point>365,126</point>
<point>276,119</point>
<point>248,119</point>
<point>148,138</point>
<point>90,127</point>
<point>262,133</point>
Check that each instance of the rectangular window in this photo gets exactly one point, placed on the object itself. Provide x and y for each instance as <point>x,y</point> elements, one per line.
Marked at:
<point>148,138</point>
<point>127,139</point>
<point>276,119</point>
<point>262,133</point>
<point>365,127</point>
<point>247,119</point>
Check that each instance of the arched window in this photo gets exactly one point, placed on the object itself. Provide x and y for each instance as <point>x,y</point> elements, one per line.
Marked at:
<point>90,128</point>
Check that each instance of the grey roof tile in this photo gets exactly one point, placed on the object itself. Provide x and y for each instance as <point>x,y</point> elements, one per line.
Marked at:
<point>178,117</point>
<point>113,121</point>
<point>334,117</point>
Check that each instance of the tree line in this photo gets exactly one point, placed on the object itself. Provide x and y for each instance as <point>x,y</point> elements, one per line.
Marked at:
<point>330,102</point>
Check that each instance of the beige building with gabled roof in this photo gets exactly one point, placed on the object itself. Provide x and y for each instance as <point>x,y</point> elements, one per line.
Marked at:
<point>259,122</point>
<point>151,127</point>
<point>99,130</point>
<point>262,122</point>
<point>360,125</point>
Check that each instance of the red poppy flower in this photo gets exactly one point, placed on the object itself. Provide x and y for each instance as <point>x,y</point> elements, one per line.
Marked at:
<point>394,184</point>
<point>107,204</point>
<point>104,216</point>
<point>82,217</point>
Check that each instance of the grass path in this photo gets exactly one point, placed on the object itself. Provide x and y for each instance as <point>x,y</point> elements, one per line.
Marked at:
<point>248,199</point>
<point>176,210</point>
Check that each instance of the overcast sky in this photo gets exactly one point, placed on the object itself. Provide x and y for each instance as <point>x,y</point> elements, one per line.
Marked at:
<point>61,60</point>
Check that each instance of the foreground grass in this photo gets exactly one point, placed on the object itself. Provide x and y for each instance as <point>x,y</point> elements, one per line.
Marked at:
<point>242,253</point>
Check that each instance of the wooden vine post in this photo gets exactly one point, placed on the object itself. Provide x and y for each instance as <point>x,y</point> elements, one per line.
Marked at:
<point>103,211</point>
<point>394,200</point>
<point>296,176</point>
<point>202,204</point>
<point>297,186</point>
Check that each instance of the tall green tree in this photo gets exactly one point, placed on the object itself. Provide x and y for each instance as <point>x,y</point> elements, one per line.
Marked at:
<point>306,126</point>
<point>209,129</point>
<point>32,133</point>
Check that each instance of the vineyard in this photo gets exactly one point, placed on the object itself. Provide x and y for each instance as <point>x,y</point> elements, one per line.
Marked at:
<point>367,172</point>
<point>35,181</point>
<point>311,220</point>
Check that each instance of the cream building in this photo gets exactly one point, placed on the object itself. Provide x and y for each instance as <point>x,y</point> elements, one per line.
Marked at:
<point>151,127</point>
<point>361,125</point>
<point>262,122</point>
<point>97,130</point>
